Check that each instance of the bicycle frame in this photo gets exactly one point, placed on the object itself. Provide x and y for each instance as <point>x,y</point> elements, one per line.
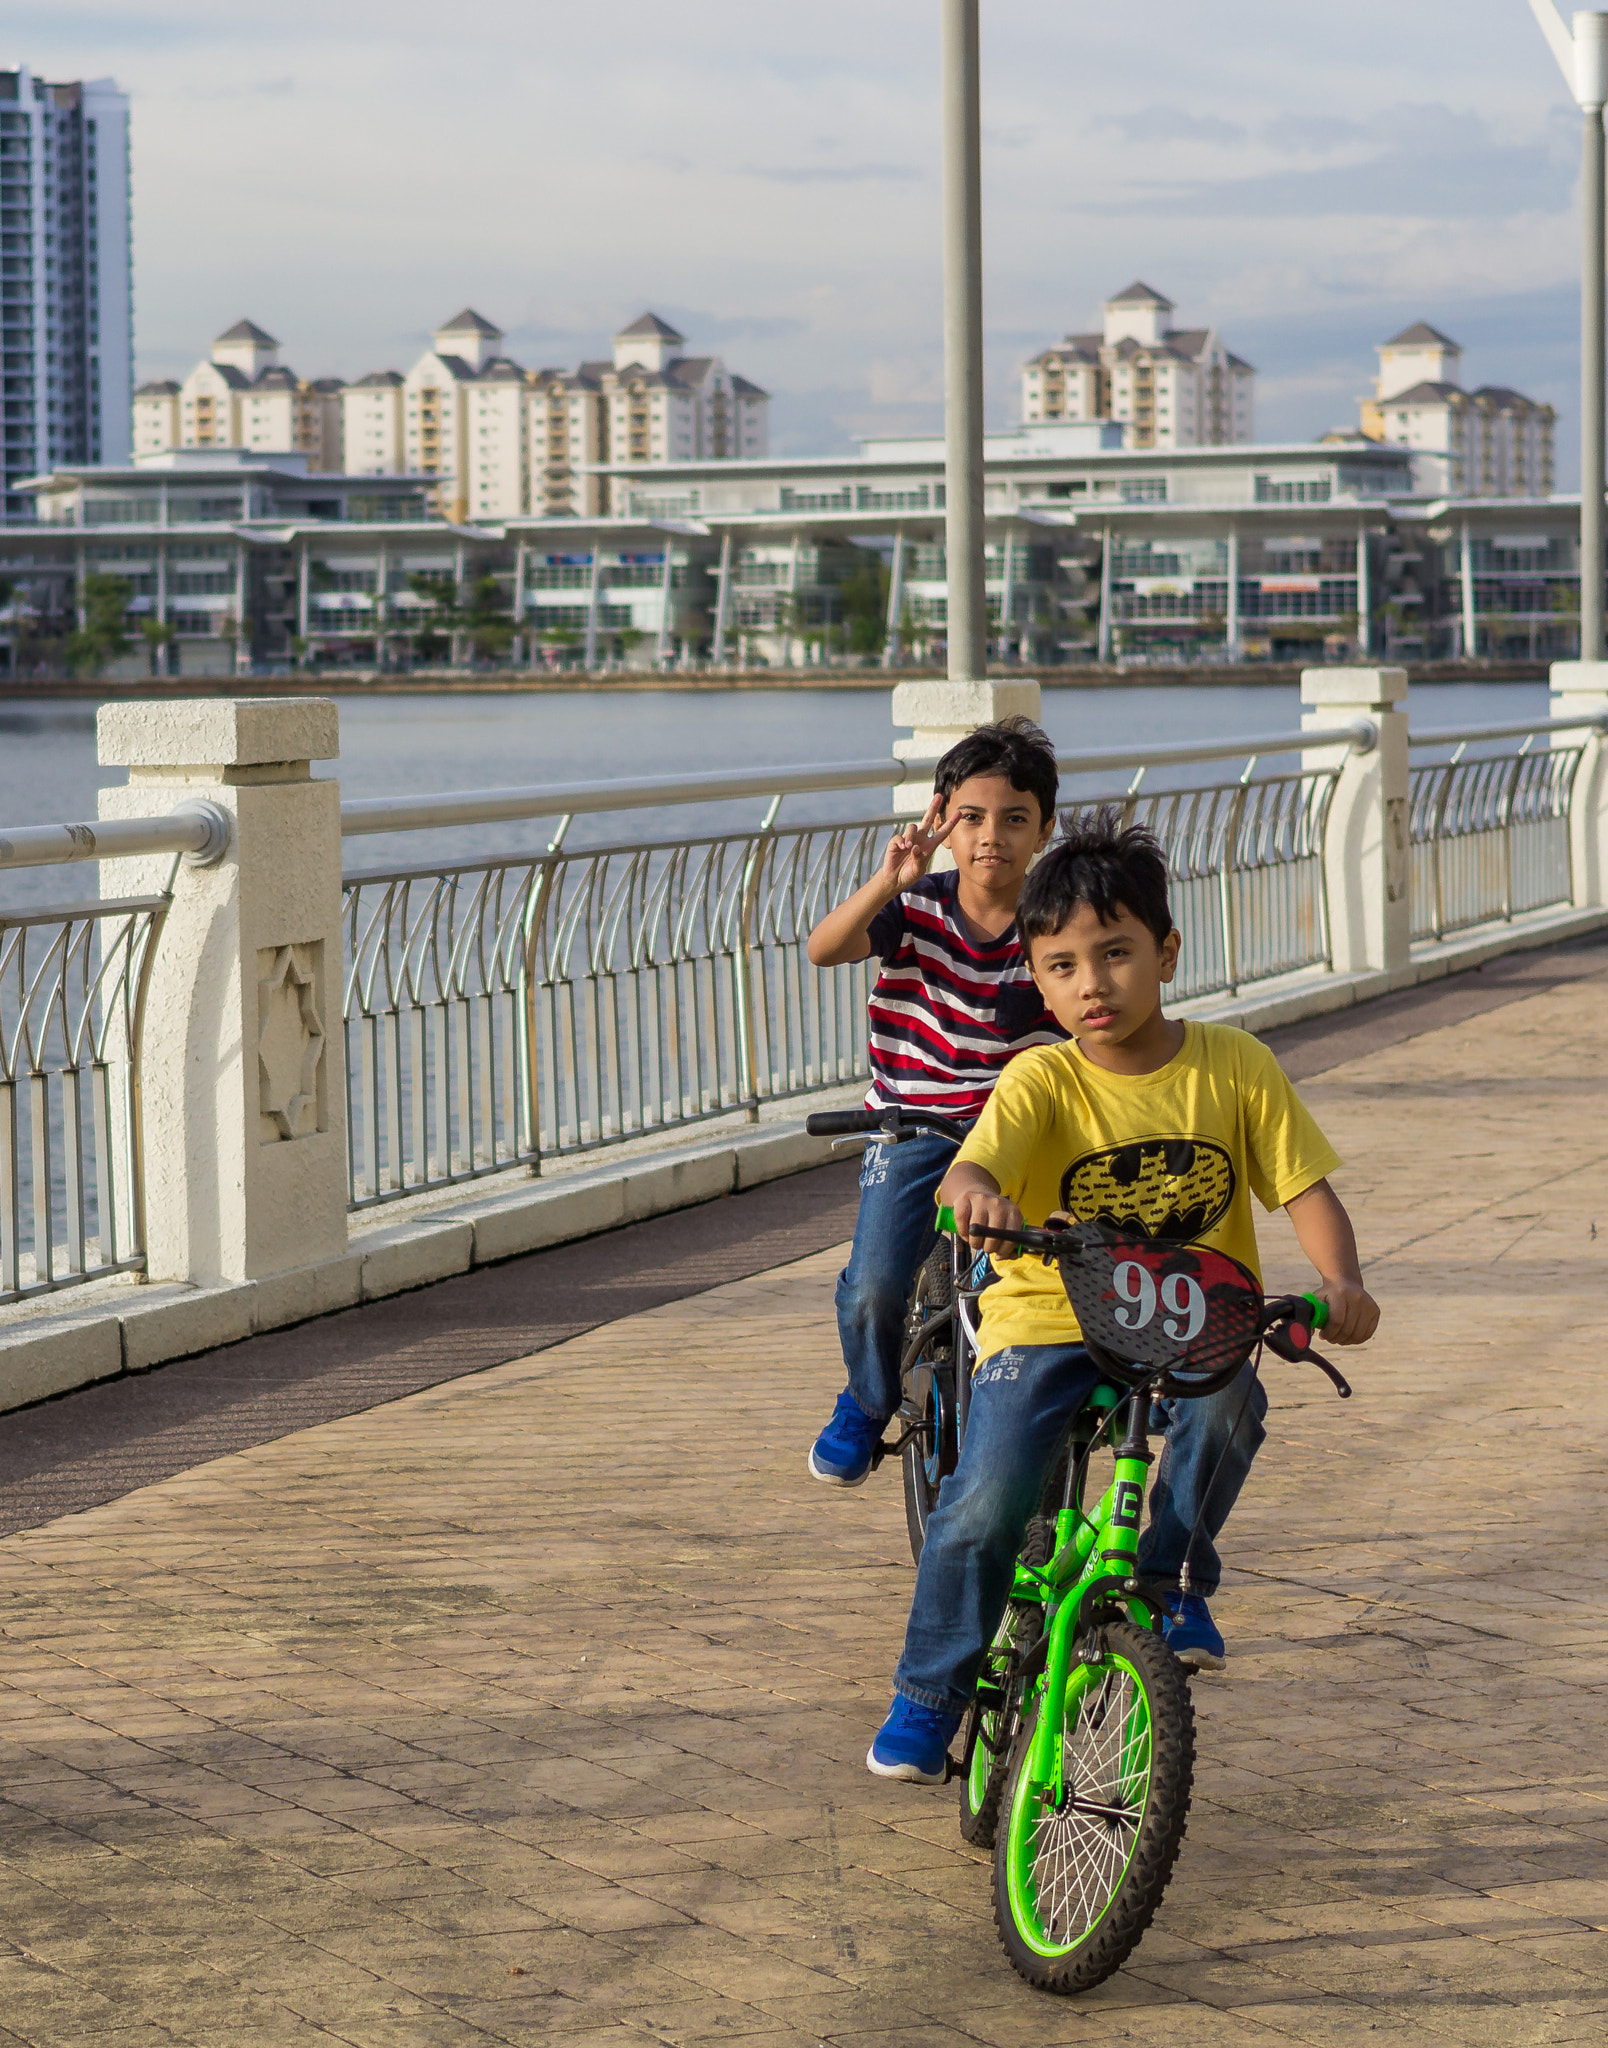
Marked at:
<point>1095,1558</point>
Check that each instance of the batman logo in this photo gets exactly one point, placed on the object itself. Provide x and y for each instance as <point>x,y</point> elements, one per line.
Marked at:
<point>1174,1188</point>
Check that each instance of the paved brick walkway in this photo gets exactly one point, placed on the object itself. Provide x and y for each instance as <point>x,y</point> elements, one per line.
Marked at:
<point>533,1705</point>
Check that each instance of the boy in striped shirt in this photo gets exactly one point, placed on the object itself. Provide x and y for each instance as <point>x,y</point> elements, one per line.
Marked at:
<point>953,1002</point>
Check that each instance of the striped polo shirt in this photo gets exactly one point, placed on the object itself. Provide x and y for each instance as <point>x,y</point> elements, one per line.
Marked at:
<point>948,1010</point>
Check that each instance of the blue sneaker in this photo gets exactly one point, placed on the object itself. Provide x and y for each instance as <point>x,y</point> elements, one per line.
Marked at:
<point>1192,1635</point>
<point>841,1454</point>
<point>913,1743</point>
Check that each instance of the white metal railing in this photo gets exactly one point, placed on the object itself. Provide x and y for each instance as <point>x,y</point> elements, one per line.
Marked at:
<point>72,1000</point>
<point>497,1010</point>
<point>1489,831</point>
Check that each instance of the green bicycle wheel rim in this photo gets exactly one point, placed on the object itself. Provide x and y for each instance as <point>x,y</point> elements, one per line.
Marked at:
<point>1027,1806</point>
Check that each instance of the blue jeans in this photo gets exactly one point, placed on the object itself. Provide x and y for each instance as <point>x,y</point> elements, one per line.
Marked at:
<point>893,1233</point>
<point>1023,1399</point>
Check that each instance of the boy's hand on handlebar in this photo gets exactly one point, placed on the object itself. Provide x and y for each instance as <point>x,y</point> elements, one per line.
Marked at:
<point>1353,1312</point>
<point>909,853</point>
<point>976,1207</point>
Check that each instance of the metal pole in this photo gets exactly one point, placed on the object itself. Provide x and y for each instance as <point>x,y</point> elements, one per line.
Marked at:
<point>967,629</point>
<point>1593,374</point>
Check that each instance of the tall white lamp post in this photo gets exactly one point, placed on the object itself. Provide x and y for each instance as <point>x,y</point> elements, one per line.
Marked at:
<point>1582,54</point>
<point>967,608</point>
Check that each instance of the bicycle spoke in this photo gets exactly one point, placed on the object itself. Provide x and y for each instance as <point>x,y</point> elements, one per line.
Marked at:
<point>1082,1846</point>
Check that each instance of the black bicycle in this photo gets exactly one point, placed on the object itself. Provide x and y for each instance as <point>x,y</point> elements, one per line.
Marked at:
<point>940,1334</point>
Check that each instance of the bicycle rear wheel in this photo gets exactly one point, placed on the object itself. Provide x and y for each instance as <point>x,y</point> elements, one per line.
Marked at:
<point>1079,1872</point>
<point>929,1392</point>
<point>982,1784</point>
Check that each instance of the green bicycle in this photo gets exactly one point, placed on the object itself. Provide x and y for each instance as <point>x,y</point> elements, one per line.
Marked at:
<point>1079,1748</point>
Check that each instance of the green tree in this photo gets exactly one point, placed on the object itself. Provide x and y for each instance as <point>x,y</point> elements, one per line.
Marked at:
<point>864,595</point>
<point>482,612</point>
<point>157,637</point>
<point>103,636</point>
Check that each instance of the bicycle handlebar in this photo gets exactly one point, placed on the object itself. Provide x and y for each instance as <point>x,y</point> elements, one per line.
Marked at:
<point>894,1123</point>
<point>1306,1312</point>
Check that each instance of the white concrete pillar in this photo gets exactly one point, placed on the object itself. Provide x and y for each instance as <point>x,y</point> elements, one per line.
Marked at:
<point>717,647</point>
<point>1367,855</point>
<point>944,712</point>
<point>1364,593</point>
<point>1580,690</point>
<point>1231,621</point>
<point>1471,629</point>
<point>1104,651</point>
<point>896,571</point>
<point>244,1109</point>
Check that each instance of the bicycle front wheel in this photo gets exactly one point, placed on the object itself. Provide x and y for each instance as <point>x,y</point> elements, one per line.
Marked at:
<point>1080,1867</point>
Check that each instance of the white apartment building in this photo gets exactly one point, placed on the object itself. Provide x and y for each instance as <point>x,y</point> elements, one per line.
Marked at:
<point>502,441</point>
<point>242,396</point>
<point>67,315</point>
<point>1489,443</point>
<point>371,425</point>
<point>517,442</point>
<point>1168,387</point>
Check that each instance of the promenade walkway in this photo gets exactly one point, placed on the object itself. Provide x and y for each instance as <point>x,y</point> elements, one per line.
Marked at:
<point>531,1706</point>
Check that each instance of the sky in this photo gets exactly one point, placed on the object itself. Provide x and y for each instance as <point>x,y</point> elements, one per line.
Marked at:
<point>349,173</point>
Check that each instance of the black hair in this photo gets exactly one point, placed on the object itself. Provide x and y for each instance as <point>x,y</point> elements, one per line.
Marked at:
<point>1015,748</point>
<point>1110,866</point>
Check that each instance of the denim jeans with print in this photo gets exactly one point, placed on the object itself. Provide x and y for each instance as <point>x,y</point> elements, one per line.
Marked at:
<point>1023,1400</point>
<point>893,1233</point>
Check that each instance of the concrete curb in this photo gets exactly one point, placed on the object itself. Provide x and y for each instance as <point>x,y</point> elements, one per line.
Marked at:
<point>58,1342</point>
<point>120,1325</point>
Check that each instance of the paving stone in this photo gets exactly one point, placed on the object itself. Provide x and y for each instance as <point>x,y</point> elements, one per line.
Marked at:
<point>532,1706</point>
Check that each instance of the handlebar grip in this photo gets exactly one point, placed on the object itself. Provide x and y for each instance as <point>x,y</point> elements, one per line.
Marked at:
<point>842,1123</point>
<point>946,1222</point>
<point>1320,1310</point>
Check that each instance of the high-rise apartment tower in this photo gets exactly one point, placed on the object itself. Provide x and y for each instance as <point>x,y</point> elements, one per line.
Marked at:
<point>66,278</point>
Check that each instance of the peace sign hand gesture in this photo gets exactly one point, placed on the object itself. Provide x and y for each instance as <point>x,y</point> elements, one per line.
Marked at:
<point>909,853</point>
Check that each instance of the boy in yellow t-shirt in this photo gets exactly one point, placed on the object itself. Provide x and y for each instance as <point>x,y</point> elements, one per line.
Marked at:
<point>1154,1126</point>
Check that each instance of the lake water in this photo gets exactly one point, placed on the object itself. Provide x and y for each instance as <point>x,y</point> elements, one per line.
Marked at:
<point>394,745</point>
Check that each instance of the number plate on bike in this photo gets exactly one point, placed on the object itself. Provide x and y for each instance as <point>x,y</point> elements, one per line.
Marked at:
<point>1181,1306</point>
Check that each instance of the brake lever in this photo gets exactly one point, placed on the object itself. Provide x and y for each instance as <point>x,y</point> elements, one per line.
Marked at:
<point>1281,1340</point>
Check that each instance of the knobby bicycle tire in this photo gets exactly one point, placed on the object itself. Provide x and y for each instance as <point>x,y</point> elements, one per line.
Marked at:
<point>982,1784</point>
<point>928,1456</point>
<point>1076,1885</point>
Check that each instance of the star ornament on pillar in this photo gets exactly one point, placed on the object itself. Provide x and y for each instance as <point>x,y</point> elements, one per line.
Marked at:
<point>290,1044</point>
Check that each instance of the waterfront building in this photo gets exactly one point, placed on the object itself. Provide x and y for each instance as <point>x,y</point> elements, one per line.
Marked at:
<point>371,425</point>
<point>1094,551</point>
<point>1167,387</point>
<point>242,396</point>
<point>507,442</point>
<point>1489,443</point>
<point>67,311</point>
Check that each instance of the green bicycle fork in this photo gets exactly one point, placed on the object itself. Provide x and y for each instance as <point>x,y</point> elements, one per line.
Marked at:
<point>1105,1545</point>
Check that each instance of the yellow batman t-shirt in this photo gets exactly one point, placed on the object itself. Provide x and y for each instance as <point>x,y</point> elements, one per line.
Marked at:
<point>1174,1154</point>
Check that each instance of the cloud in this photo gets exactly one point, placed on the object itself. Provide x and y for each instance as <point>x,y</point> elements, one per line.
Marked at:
<point>832,174</point>
<point>1311,134</point>
<point>1171,124</point>
<point>1438,163</point>
<point>262,88</point>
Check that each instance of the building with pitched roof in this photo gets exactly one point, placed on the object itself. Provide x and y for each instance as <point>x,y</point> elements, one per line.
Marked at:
<point>514,441</point>
<point>241,396</point>
<point>1490,443</point>
<point>1167,387</point>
